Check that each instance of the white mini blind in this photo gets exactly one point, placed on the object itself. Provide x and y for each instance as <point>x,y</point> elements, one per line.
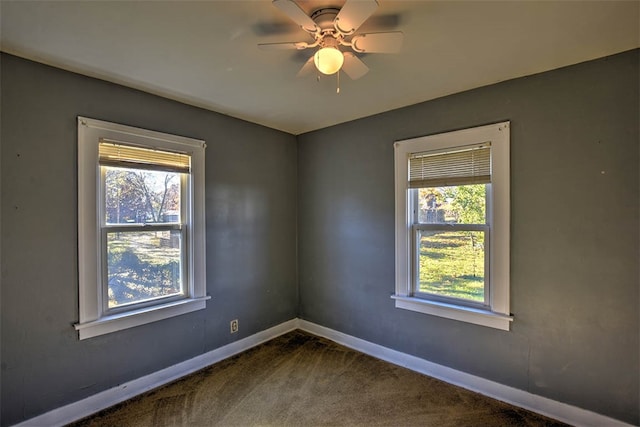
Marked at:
<point>116,154</point>
<point>464,166</point>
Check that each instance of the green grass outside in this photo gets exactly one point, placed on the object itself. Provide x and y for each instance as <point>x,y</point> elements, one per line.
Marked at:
<point>451,264</point>
<point>141,266</point>
<point>147,246</point>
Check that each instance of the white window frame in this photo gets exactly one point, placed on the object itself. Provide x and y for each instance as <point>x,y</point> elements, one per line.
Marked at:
<point>94,318</point>
<point>497,315</point>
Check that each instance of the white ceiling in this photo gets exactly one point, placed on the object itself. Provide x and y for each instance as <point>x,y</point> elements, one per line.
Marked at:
<point>204,53</point>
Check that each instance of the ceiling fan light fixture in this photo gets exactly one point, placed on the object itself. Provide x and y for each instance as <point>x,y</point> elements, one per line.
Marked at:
<point>328,60</point>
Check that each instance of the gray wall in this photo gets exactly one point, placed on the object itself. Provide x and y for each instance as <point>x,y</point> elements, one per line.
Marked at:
<point>574,234</point>
<point>251,240</point>
<point>574,254</point>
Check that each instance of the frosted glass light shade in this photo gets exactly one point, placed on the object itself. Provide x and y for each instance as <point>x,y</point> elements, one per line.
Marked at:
<point>328,60</point>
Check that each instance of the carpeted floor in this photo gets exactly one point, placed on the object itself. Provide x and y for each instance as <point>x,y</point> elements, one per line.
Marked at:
<point>299,379</point>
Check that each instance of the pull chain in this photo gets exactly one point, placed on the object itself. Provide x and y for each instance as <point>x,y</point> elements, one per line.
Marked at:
<point>338,89</point>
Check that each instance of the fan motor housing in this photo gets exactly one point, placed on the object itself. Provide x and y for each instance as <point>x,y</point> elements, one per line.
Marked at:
<point>325,17</point>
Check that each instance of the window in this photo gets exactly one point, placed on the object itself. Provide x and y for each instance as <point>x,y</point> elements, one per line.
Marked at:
<point>452,225</point>
<point>141,245</point>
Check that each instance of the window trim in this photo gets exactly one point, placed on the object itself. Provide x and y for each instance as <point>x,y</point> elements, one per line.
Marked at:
<point>498,217</point>
<point>93,320</point>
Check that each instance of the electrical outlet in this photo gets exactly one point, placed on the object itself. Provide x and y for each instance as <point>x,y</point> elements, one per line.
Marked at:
<point>233,325</point>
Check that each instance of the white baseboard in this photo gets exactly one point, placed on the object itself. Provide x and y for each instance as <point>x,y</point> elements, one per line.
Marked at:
<point>560,411</point>
<point>92,404</point>
<point>97,402</point>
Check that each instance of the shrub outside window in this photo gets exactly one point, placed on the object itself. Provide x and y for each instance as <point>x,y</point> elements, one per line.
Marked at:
<point>141,226</point>
<point>452,225</point>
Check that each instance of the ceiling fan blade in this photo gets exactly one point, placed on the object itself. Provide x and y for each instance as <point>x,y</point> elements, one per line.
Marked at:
<point>278,28</point>
<point>353,66</point>
<point>379,23</point>
<point>283,46</point>
<point>296,14</point>
<point>307,68</point>
<point>353,14</point>
<point>378,42</point>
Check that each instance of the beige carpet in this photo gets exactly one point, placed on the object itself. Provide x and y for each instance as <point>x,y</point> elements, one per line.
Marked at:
<point>299,379</point>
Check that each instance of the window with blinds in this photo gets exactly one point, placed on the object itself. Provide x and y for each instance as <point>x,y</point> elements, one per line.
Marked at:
<point>141,226</point>
<point>452,225</point>
<point>143,207</point>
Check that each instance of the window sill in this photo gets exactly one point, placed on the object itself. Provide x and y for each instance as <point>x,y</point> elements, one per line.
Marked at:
<point>455,312</point>
<point>129,319</point>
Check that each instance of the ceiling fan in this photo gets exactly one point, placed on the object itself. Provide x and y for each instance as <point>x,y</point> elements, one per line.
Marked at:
<point>333,31</point>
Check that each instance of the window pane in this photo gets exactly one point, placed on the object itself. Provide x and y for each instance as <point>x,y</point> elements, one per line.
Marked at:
<point>463,204</point>
<point>451,264</point>
<point>141,196</point>
<point>143,265</point>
